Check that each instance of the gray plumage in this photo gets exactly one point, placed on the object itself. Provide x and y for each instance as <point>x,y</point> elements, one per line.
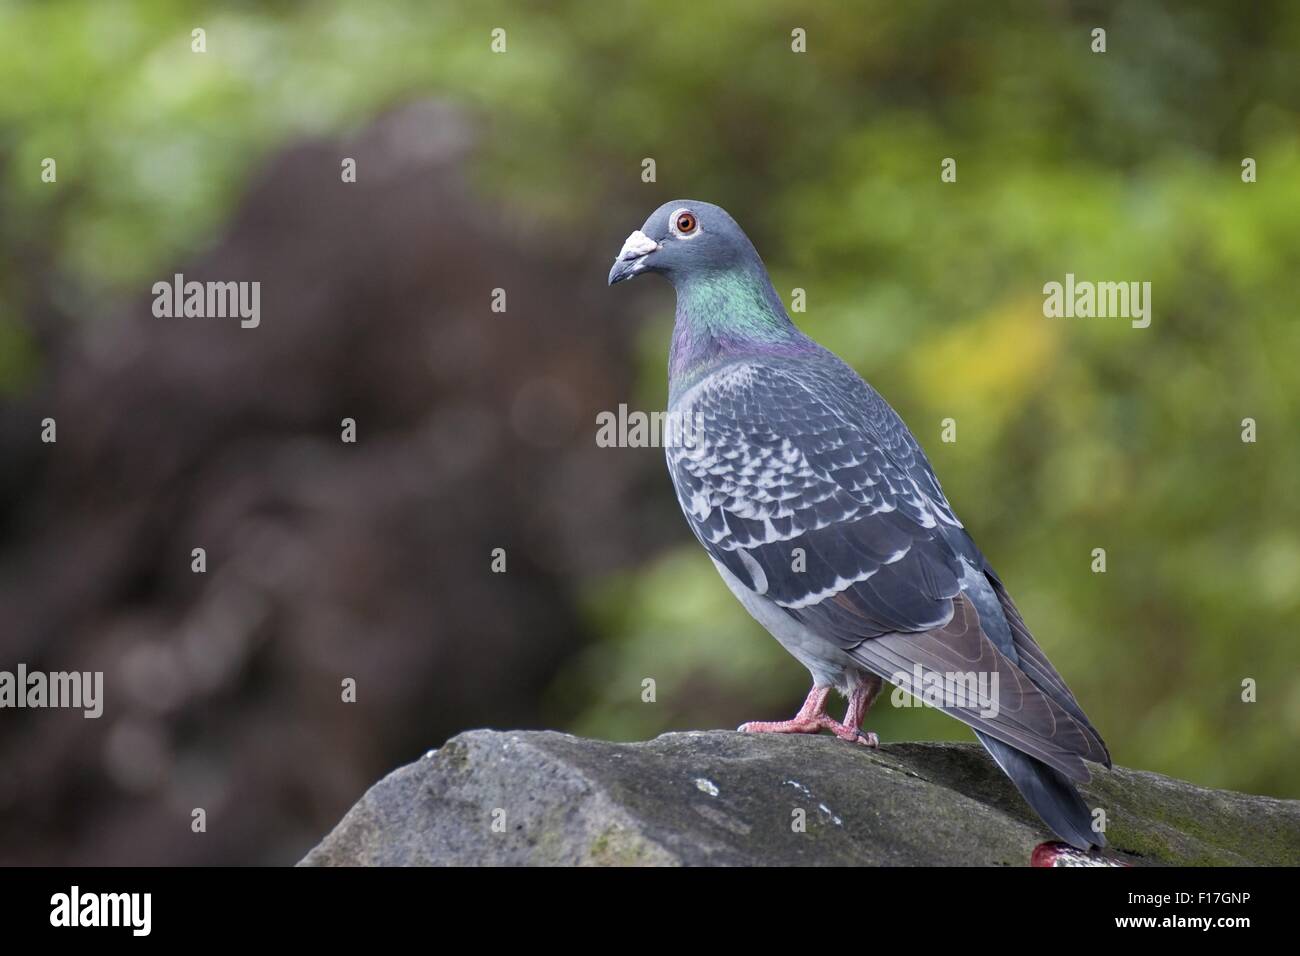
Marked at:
<point>826,520</point>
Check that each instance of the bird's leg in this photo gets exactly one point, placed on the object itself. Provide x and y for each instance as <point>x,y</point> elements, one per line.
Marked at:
<point>860,701</point>
<point>811,718</point>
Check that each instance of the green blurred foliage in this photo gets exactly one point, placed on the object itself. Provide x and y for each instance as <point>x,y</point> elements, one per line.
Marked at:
<point>1072,433</point>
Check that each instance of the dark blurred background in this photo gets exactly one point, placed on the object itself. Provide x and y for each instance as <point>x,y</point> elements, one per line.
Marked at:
<point>521,170</point>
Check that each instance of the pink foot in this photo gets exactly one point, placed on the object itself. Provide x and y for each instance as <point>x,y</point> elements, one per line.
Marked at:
<point>812,718</point>
<point>810,725</point>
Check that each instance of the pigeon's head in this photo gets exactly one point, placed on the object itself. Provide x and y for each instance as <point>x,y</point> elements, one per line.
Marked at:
<point>684,238</point>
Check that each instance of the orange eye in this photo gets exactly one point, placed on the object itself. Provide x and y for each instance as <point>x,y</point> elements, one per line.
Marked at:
<point>686,223</point>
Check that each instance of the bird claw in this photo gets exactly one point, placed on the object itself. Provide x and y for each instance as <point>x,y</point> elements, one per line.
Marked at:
<point>796,725</point>
<point>866,738</point>
<point>810,725</point>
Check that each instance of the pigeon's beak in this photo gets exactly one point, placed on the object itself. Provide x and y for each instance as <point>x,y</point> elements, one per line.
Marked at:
<point>632,257</point>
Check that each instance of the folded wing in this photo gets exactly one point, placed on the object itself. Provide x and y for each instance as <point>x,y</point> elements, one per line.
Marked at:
<point>806,485</point>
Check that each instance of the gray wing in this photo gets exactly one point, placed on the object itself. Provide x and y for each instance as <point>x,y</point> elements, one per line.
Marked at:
<point>803,503</point>
<point>802,481</point>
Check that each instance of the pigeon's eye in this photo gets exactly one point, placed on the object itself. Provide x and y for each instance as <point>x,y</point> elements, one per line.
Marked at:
<point>686,223</point>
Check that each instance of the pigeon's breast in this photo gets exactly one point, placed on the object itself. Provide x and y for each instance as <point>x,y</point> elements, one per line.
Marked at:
<point>829,665</point>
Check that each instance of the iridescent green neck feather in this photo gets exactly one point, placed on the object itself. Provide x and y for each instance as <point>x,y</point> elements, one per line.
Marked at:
<point>727,315</point>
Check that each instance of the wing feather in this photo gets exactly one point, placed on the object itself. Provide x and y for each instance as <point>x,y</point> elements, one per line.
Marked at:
<point>807,486</point>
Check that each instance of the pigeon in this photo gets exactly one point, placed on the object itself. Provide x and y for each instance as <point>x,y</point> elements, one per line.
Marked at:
<point>825,519</point>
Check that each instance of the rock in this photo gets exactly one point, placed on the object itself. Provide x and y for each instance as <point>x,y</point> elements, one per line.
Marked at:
<point>720,798</point>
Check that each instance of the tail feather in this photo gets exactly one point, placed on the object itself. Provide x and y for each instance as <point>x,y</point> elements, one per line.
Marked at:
<point>1050,793</point>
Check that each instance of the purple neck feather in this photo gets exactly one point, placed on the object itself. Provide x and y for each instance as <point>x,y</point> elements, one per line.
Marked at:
<point>726,316</point>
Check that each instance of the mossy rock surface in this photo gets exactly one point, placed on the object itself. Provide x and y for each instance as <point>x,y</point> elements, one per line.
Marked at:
<point>722,798</point>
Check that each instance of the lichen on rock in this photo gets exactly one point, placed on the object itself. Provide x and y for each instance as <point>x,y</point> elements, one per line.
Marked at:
<point>721,798</point>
